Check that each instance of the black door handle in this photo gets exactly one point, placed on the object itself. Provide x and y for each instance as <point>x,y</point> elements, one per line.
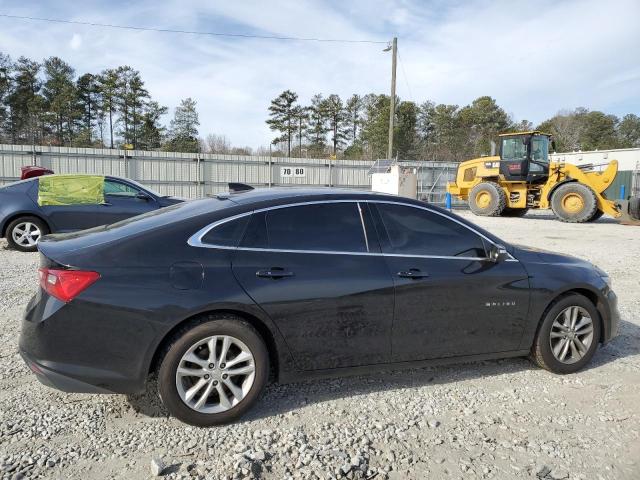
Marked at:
<point>413,273</point>
<point>274,272</point>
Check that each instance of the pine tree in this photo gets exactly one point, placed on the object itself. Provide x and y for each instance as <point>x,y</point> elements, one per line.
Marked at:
<point>354,116</point>
<point>301,116</point>
<point>337,121</point>
<point>108,88</point>
<point>183,132</point>
<point>317,128</point>
<point>26,104</point>
<point>6,68</point>
<point>88,101</point>
<point>282,117</point>
<point>151,132</point>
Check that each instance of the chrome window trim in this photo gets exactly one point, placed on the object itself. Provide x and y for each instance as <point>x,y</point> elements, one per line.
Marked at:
<point>364,230</point>
<point>196,239</point>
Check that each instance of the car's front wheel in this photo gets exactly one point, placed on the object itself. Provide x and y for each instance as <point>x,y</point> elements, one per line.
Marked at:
<point>214,372</point>
<point>24,233</point>
<point>568,335</point>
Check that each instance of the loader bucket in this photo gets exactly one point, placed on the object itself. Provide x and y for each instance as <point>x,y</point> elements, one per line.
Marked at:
<point>629,213</point>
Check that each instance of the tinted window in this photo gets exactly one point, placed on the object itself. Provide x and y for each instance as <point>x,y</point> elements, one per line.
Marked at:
<point>227,234</point>
<point>414,231</point>
<point>325,227</point>
<point>255,236</point>
<point>119,189</point>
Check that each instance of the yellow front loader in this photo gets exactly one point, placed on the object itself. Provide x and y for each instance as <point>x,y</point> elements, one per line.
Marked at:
<point>521,177</point>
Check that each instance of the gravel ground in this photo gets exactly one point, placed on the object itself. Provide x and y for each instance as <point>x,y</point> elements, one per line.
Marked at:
<point>496,419</point>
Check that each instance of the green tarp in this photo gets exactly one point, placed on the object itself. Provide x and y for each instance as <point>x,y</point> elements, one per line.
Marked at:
<point>70,189</point>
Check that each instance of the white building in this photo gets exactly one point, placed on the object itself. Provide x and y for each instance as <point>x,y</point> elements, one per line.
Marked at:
<point>628,167</point>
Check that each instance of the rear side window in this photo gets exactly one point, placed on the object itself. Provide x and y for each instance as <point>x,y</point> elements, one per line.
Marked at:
<point>227,234</point>
<point>321,227</point>
<point>414,231</point>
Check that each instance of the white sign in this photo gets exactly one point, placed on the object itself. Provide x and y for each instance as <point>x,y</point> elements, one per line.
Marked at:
<point>292,172</point>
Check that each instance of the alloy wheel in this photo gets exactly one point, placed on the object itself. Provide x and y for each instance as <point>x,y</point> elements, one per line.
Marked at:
<point>571,334</point>
<point>26,234</point>
<point>215,374</point>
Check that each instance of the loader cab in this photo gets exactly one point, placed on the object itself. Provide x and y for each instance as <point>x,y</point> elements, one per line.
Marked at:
<point>524,157</point>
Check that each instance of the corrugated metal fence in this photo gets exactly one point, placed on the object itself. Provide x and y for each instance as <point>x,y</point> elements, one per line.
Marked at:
<point>193,175</point>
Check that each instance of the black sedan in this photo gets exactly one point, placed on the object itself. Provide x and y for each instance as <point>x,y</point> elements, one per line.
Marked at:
<point>25,217</point>
<point>218,295</point>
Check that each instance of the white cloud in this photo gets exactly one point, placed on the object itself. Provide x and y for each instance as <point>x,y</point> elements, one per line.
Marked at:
<point>534,58</point>
<point>76,41</point>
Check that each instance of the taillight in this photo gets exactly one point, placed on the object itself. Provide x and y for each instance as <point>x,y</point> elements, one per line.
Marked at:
<point>66,285</point>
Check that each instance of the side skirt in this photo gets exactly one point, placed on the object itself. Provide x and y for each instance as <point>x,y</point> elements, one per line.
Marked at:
<point>294,376</point>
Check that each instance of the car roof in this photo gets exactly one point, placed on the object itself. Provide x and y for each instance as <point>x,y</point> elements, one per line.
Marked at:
<point>277,194</point>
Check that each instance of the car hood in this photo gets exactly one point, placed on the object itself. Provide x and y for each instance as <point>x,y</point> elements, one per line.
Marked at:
<point>536,255</point>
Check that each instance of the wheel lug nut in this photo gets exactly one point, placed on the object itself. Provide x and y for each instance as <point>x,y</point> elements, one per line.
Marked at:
<point>215,382</point>
<point>225,376</point>
<point>211,365</point>
<point>206,377</point>
<point>222,365</point>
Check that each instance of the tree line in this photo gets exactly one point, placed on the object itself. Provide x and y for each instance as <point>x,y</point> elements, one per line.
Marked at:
<point>358,128</point>
<point>45,103</point>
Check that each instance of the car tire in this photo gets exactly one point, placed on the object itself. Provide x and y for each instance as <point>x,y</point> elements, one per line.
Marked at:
<point>29,225</point>
<point>574,202</point>
<point>487,199</point>
<point>556,335</point>
<point>228,395</point>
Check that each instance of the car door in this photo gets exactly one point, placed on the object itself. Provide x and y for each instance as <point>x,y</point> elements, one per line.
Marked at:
<point>313,269</point>
<point>121,201</point>
<point>450,299</point>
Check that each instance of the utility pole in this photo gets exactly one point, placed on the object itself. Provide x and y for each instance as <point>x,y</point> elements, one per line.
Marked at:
<point>392,109</point>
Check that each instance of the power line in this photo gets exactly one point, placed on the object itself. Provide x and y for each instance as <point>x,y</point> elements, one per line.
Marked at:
<point>189,32</point>
<point>404,75</point>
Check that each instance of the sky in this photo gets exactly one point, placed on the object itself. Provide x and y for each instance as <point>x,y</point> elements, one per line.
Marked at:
<point>534,57</point>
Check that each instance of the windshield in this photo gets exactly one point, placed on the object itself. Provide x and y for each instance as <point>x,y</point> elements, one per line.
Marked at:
<point>514,149</point>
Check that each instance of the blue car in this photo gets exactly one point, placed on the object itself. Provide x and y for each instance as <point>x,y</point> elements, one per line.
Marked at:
<point>32,208</point>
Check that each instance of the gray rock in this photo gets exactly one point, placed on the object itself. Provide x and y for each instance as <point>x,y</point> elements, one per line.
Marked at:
<point>543,471</point>
<point>157,466</point>
<point>559,474</point>
<point>433,423</point>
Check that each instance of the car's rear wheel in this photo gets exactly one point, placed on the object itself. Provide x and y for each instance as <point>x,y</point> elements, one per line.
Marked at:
<point>214,372</point>
<point>568,335</point>
<point>24,233</point>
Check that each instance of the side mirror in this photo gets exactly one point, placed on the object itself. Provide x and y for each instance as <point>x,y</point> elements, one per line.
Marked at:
<point>497,253</point>
<point>143,196</point>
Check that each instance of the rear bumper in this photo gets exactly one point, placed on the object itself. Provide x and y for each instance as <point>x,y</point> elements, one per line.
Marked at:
<point>58,380</point>
<point>84,348</point>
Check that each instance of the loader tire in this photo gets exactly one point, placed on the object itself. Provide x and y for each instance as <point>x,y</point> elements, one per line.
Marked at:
<point>487,199</point>
<point>574,203</point>
<point>596,216</point>
<point>514,212</point>
<point>634,208</point>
